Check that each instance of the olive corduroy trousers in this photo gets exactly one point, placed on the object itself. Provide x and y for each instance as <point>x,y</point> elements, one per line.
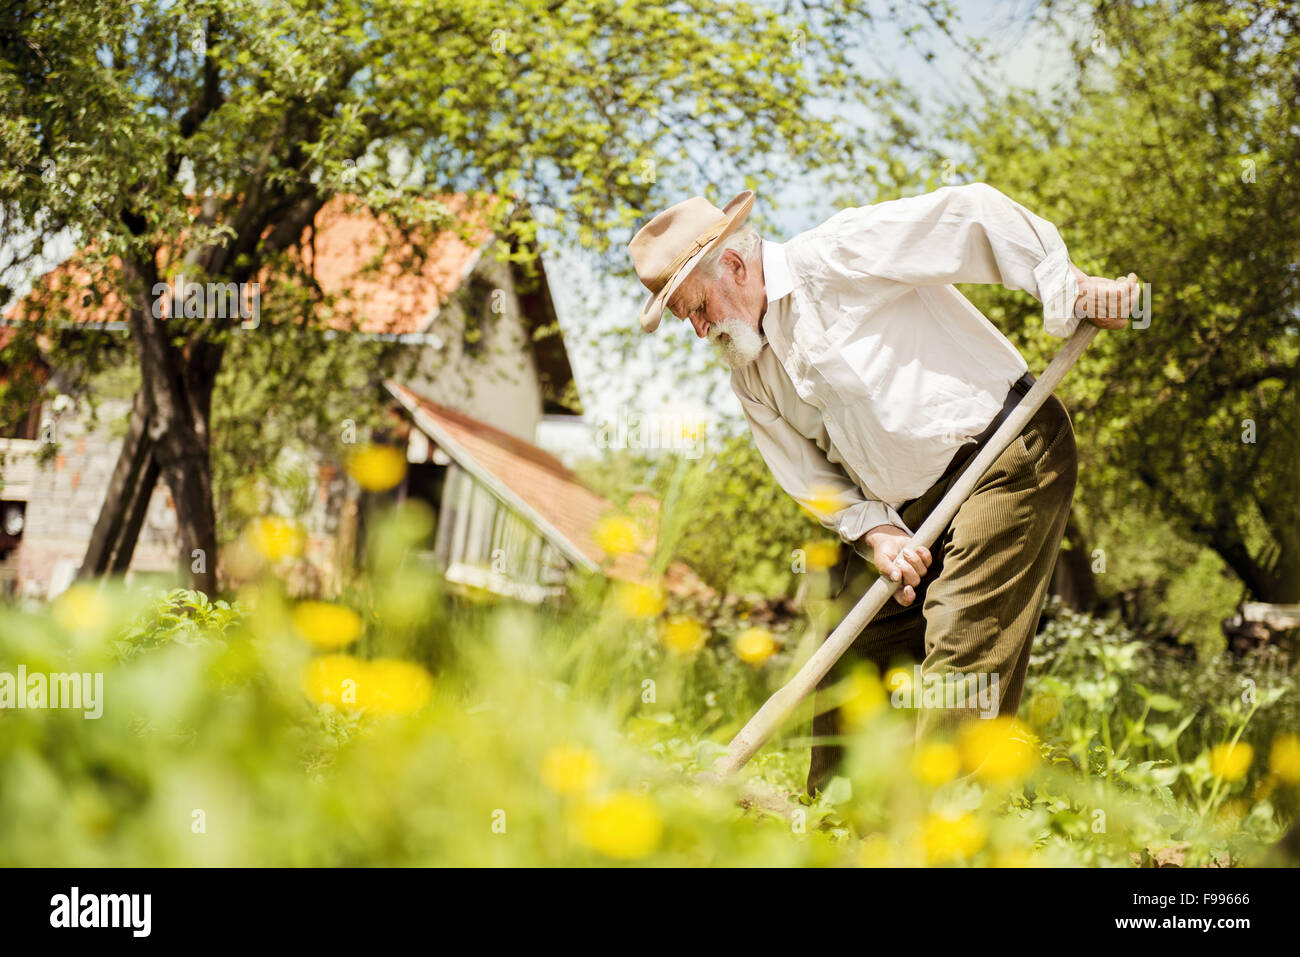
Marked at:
<point>977,607</point>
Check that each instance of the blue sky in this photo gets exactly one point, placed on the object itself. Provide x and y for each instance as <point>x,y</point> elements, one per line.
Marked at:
<point>688,381</point>
<point>1027,55</point>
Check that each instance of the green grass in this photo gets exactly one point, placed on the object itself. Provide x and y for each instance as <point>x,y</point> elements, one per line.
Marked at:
<point>572,735</point>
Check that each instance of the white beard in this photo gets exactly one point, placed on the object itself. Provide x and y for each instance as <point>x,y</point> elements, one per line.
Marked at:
<point>742,345</point>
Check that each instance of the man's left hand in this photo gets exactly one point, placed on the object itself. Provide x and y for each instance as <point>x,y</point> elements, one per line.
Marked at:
<point>1107,303</point>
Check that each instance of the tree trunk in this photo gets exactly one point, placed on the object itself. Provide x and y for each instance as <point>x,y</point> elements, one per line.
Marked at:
<point>182,450</point>
<point>170,433</point>
<point>1283,586</point>
<point>126,499</point>
<point>1073,580</point>
<point>187,472</point>
<point>137,507</point>
<point>1276,580</point>
<point>180,457</point>
<point>168,437</point>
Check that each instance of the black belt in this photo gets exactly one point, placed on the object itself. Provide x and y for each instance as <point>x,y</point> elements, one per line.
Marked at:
<point>1019,389</point>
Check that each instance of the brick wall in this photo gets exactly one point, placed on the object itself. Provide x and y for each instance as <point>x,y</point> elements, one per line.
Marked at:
<point>64,493</point>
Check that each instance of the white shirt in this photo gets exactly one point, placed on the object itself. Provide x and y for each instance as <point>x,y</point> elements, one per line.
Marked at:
<point>875,369</point>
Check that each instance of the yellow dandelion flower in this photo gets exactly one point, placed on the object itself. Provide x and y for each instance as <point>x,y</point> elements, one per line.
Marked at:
<point>83,607</point>
<point>639,599</point>
<point>822,555</point>
<point>755,645</point>
<point>684,636</point>
<point>899,680</point>
<point>998,749</point>
<point>865,696</point>
<point>1284,758</point>
<point>948,839</point>
<point>326,625</point>
<point>1231,761</point>
<point>617,535</point>
<point>936,763</point>
<point>377,468</point>
<point>822,501</point>
<point>275,538</point>
<point>569,770</point>
<point>334,679</point>
<point>624,826</point>
<point>390,686</point>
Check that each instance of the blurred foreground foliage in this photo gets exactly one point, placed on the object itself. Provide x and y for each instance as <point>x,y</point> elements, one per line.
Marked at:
<point>398,725</point>
<point>725,488</point>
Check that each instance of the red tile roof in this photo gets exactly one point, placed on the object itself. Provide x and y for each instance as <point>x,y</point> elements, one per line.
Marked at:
<point>380,284</point>
<point>379,290</point>
<point>544,491</point>
<point>380,287</point>
<point>70,293</point>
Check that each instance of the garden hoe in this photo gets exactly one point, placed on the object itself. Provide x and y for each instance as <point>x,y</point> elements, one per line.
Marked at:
<point>779,707</point>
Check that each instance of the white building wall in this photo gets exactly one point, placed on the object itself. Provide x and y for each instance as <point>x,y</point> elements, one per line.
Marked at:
<point>499,385</point>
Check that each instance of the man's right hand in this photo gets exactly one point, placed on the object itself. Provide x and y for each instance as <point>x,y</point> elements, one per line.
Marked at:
<point>891,558</point>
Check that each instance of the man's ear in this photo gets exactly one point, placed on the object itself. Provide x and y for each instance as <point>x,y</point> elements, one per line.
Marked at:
<point>735,264</point>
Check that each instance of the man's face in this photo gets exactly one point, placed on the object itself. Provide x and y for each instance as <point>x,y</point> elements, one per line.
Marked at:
<point>728,310</point>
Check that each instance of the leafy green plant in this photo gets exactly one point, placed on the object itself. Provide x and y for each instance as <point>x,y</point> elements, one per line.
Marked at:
<point>370,731</point>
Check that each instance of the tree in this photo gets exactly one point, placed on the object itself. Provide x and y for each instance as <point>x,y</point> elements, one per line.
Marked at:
<point>201,138</point>
<point>1175,154</point>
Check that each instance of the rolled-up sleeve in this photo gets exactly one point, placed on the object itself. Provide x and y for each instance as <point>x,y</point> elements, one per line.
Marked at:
<point>812,480</point>
<point>957,234</point>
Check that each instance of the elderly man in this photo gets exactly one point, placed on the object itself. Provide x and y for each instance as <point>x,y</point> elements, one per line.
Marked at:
<point>869,381</point>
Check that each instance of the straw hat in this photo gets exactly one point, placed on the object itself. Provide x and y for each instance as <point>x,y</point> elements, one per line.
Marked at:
<point>666,249</point>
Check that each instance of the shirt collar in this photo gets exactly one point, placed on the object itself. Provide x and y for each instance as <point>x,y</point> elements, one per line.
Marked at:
<point>776,271</point>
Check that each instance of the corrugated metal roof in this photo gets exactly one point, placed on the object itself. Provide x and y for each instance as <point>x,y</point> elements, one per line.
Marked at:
<point>529,480</point>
